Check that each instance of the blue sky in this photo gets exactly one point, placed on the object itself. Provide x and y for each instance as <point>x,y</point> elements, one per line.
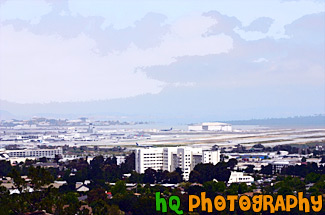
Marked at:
<point>206,59</point>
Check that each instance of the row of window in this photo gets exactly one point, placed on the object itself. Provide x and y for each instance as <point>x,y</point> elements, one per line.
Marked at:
<point>158,157</point>
<point>33,153</point>
<point>240,179</point>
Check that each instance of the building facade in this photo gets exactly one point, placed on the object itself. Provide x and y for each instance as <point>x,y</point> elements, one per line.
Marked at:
<point>48,153</point>
<point>170,158</point>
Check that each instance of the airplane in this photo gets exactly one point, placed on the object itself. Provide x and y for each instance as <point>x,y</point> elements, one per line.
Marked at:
<point>167,129</point>
<point>144,146</point>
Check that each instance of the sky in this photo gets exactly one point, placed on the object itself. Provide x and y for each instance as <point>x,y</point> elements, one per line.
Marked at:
<point>193,60</point>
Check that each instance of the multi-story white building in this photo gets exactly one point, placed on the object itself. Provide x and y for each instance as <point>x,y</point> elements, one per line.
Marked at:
<point>211,156</point>
<point>279,165</point>
<point>149,158</point>
<point>48,153</point>
<point>171,158</point>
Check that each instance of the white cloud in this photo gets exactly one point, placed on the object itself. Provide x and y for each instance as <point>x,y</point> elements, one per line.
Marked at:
<point>24,10</point>
<point>38,68</point>
<point>260,60</point>
<point>181,84</point>
<point>282,12</point>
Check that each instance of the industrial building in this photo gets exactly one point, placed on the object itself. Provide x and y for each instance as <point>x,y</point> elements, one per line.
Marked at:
<point>211,126</point>
<point>170,158</point>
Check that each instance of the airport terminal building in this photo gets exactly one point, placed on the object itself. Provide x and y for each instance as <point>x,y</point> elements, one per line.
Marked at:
<point>211,126</point>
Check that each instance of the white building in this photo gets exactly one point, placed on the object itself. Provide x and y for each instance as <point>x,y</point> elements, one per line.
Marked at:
<point>170,158</point>
<point>239,177</point>
<point>211,156</point>
<point>148,158</point>
<point>48,153</point>
<point>82,188</point>
<point>211,126</point>
<point>279,165</point>
<point>3,154</point>
<point>120,160</point>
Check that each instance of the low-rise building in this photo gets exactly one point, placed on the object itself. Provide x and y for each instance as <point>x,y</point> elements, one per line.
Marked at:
<point>240,177</point>
<point>48,153</point>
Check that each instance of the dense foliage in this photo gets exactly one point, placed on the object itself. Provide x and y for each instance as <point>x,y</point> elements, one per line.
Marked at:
<point>140,198</point>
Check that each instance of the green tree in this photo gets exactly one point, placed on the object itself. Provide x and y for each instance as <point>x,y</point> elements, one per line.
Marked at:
<point>267,170</point>
<point>119,187</point>
<point>96,194</point>
<point>39,177</point>
<point>19,182</point>
<point>5,168</point>
<point>312,177</point>
<point>149,176</point>
<point>250,169</point>
<point>232,163</point>
<point>242,188</point>
<point>101,207</point>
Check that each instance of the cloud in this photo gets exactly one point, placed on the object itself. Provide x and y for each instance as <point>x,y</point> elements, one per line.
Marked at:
<point>203,58</point>
<point>261,24</point>
<point>282,12</point>
<point>260,60</point>
<point>259,63</point>
<point>24,10</point>
<point>146,32</point>
<point>50,68</point>
<point>55,68</point>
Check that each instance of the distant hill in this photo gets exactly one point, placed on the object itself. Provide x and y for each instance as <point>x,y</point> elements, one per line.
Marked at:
<point>169,107</point>
<point>5,115</point>
<point>316,120</point>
